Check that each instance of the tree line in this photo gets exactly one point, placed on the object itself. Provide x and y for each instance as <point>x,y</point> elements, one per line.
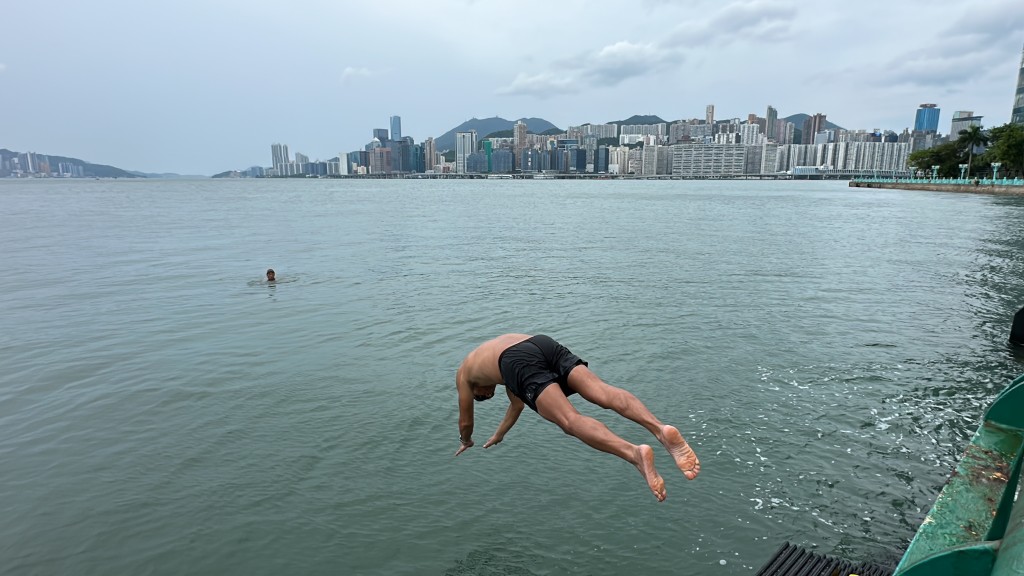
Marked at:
<point>1003,144</point>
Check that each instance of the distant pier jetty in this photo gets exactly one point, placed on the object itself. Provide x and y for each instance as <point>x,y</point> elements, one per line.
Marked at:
<point>1007,186</point>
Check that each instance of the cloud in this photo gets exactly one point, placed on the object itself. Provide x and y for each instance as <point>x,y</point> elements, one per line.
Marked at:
<point>542,85</point>
<point>609,66</point>
<point>990,22</point>
<point>750,20</point>
<point>964,51</point>
<point>616,63</point>
<point>350,73</point>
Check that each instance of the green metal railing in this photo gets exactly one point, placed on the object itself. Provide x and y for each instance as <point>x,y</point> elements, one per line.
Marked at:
<point>949,181</point>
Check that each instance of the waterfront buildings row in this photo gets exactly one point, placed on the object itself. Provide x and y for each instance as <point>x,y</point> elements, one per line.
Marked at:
<point>711,160</point>
<point>31,164</point>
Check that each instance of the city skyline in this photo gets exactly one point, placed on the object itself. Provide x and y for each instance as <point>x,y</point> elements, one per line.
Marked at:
<point>202,89</point>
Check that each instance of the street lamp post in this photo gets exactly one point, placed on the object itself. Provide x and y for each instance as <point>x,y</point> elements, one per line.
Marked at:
<point>963,168</point>
<point>995,171</point>
<point>935,172</point>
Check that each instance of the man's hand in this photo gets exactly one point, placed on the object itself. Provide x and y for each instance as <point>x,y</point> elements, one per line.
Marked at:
<point>493,440</point>
<point>465,445</point>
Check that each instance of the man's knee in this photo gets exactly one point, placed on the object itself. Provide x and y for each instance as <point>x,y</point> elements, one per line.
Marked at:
<point>570,423</point>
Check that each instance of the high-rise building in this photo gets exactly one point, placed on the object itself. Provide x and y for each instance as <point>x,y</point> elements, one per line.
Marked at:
<point>750,134</point>
<point>1017,117</point>
<point>771,118</point>
<point>488,150</point>
<point>381,134</point>
<point>279,154</point>
<point>599,130</point>
<point>396,127</point>
<point>709,115</point>
<point>812,126</point>
<point>380,161</point>
<point>786,132</point>
<point>429,154</point>
<point>465,144</point>
<point>962,120</point>
<point>519,140</point>
<point>927,119</point>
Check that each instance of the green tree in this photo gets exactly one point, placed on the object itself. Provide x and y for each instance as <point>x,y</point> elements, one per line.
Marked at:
<point>1007,147</point>
<point>947,157</point>
<point>972,137</point>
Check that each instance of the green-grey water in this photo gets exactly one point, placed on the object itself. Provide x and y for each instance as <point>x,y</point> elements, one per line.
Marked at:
<point>828,352</point>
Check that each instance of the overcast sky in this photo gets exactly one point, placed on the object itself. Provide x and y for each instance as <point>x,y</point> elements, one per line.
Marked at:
<point>202,86</point>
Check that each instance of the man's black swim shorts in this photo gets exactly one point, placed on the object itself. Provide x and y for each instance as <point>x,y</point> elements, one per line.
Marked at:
<point>529,366</point>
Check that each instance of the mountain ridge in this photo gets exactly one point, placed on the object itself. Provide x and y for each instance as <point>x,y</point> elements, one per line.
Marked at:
<point>491,125</point>
<point>488,126</point>
<point>799,118</point>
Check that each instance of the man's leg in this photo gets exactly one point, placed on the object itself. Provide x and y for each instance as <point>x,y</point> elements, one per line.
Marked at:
<point>555,407</point>
<point>593,389</point>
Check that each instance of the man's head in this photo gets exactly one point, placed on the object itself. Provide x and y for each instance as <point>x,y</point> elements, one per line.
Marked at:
<point>270,274</point>
<point>481,393</point>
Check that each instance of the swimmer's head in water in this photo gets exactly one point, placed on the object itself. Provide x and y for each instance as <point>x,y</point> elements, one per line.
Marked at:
<point>270,274</point>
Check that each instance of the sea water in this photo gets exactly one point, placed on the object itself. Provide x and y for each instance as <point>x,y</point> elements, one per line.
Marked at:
<point>827,351</point>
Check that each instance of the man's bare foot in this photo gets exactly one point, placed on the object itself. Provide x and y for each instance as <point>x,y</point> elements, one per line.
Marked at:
<point>685,457</point>
<point>645,464</point>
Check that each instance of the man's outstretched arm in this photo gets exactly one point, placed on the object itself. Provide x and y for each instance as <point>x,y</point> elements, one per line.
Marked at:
<point>465,411</point>
<point>515,408</point>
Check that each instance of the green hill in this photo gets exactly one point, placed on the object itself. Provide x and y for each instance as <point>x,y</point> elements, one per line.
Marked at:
<point>639,120</point>
<point>799,119</point>
<point>488,126</point>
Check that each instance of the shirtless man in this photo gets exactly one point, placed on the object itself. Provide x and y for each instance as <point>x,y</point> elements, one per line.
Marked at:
<point>527,366</point>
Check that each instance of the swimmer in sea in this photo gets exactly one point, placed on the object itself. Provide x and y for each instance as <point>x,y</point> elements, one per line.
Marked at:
<point>528,366</point>
<point>271,277</point>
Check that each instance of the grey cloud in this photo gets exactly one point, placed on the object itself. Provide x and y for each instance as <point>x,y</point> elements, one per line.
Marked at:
<point>618,62</point>
<point>543,85</point>
<point>753,14</point>
<point>965,51</point>
<point>609,66</point>
<point>938,70</point>
<point>350,73</point>
<point>756,19</point>
<point>990,21</point>
<point>624,60</point>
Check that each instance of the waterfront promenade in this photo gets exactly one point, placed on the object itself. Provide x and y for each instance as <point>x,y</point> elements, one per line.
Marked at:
<point>1011,186</point>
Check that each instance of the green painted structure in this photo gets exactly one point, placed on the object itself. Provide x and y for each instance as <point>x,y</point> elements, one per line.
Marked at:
<point>975,528</point>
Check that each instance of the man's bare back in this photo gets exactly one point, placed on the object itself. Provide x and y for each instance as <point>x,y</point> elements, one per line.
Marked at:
<point>480,368</point>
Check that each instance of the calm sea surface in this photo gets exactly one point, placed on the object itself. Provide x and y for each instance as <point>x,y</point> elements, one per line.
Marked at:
<point>828,351</point>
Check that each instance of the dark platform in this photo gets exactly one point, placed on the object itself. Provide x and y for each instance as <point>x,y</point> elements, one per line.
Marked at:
<point>792,560</point>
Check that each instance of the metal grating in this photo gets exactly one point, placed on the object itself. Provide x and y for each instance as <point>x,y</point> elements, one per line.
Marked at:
<point>792,560</point>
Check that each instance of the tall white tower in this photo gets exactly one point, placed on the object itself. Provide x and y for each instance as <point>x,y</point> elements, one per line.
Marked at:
<point>465,144</point>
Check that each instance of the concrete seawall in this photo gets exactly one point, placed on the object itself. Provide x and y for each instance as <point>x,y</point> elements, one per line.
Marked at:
<point>936,187</point>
